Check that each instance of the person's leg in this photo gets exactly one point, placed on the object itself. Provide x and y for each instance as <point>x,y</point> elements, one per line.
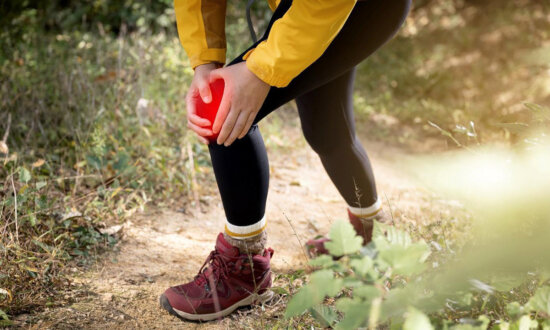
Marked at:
<point>242,174</point>
<point>369,26</point>
<point>326,115</point>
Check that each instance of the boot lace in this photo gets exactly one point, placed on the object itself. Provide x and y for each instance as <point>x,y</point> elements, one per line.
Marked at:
<point>215,266</point>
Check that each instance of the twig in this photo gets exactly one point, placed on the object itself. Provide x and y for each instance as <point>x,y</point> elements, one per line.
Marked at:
<point>193,177</point>
<point>15,206</point>
<point>299,241</point>
<point>391,211</point>
<point>7,133</point>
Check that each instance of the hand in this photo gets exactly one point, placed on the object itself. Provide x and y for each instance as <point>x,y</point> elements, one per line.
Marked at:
<point>243,97</point>
<point>199,88</point>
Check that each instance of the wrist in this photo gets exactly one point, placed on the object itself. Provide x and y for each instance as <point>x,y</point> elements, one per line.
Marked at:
<point>208,66</point>
<point>255,77</point>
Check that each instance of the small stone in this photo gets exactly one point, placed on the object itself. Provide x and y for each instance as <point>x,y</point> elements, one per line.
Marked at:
<point>108,297</point>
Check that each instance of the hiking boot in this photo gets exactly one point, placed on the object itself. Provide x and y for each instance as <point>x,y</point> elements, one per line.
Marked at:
<point>363,227</point>
<point>227,280</point>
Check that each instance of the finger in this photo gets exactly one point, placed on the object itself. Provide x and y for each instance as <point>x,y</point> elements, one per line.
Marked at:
<point>248,124</point>
<point>199,121</point>
<point>203,139</point>
<point>199,130</point>
<point>237,130</point>
<point>228,125</point>
<point>204,90</point>
<point>192,113</point>
<point>225,103</point>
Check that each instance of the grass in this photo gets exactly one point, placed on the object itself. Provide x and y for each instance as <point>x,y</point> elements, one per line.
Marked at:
<point>96,133</point>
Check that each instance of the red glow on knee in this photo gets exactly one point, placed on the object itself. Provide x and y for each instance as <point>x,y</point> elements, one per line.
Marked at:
<point>209,110</point>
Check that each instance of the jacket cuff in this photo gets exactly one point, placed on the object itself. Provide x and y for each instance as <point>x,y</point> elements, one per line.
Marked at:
<point>267,72</point>
<point>216,55</point>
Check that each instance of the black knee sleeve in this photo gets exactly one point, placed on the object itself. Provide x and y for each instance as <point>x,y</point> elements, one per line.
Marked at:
<point>242,174</point>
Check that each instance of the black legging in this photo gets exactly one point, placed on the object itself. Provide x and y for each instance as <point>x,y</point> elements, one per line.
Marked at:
<point>324,94</point>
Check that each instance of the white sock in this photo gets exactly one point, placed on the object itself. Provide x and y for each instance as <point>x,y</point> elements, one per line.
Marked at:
<point>369,212</point>
<point>248,239</point>
<point>245,232</point>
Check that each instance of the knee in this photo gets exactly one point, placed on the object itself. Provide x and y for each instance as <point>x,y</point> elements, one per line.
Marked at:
<point>323,142</point>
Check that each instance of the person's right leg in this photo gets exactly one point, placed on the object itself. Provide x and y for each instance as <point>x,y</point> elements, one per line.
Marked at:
<point>326,115</point>
<point>369,26</point>
<point>327,118</point>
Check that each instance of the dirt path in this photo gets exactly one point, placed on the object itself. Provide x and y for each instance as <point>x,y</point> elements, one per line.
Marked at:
<point>167,247</point>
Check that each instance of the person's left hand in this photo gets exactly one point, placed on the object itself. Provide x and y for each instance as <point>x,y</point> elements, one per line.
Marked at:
<point>243,96</point>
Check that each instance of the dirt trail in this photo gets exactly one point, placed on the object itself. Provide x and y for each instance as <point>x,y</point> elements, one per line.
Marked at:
<point>167,247</point>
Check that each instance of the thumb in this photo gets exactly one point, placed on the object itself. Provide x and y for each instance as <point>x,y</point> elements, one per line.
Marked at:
<point>204,91</point>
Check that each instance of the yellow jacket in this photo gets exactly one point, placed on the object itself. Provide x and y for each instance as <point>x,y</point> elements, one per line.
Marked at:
<point>295,41</point>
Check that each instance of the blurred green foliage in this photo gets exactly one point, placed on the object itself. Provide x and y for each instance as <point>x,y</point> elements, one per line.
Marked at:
<point>457,62</point>
<point>67,15</point>
<point>96,132</point>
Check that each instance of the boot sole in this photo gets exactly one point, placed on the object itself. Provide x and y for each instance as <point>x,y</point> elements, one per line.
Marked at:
<point>250,300</point>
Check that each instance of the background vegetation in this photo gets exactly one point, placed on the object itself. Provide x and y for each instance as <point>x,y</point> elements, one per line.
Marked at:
<point>92,114</point>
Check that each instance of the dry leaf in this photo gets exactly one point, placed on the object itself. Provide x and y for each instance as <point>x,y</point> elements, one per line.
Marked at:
<point>105,77</point>
<point>38,163</point>
<point>6,293</point>
<point>4,148</point>
<point>111,230</point>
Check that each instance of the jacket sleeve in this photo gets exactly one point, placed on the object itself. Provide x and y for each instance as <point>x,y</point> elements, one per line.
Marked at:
<point>297,39</point>
<point>201,29</point>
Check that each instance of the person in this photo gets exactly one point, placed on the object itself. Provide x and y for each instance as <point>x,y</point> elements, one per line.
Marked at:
<point>309,53</point>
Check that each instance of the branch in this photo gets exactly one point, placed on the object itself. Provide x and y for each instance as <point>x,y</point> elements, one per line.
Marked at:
<point>7,133</point>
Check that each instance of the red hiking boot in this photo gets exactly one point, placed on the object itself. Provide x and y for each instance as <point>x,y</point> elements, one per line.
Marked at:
<point>227,280</point>
<point>316,247</point>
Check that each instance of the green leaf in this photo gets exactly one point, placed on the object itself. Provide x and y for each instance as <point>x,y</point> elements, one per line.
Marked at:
<point>397,250</point>
<point>368,292</point>
<point>122,162</point>
<point>507,283</point>
<point>3,315</point>
<point>32,220</point>
<point>45,247</point>
<point>398,237</point>
<point>93,161</point>
<point>343,239</point>
<point>525,323</point>
<point>24,175</point>
<point>40,184</point>
<point>465,299</point>
<point>540,301</point>
<point>514,310</point>
<point>324,314</point>
<point>362,266</point>
<point>41,201</point>
<point>322,284</point>
<point>279,290</point>
<point>416,320</point>
<point>502,326</point>
<point>356,313</point>
<point>323,261</point>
